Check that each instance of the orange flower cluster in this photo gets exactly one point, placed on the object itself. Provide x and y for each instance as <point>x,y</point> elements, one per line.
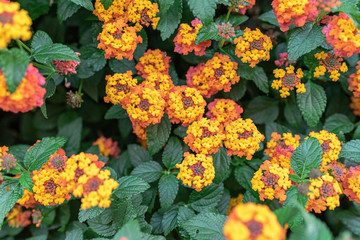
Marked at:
<point>327,5</point>
<point>351,184</point>
<point>184,105</point>
<point>107,147</point>
<point>118,87</point>
<point>271,181</point>
<point>242,138</point>
<point>217,74</point>
<point>297,11</point>
<point>252,221</point>
<point>84,178</point>
<point>196,171</point>
<point>14,23</point>
<point>18,218</point>
<point>153,61</point>
<point>355,105</point>
<point>239,5</point>
<point>280,148</point>
<point>343,36</point>
<point>354,81</point>
<point>253,46</point>
<point>205,136</point>
<point>234,202</point>
<point>161,82</point>
<point>28,95</point>
<point>185,39</point>
<point>224,111</point>
<point>288,80</point>
<point>330,63</point>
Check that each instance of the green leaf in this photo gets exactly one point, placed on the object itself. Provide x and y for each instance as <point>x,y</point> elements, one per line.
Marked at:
<point>292,114</point>
<point>50,52</point>
<point>169,20</point>
<point>207,198</point>
<point>14,64</point>
<point>130,230</point>
<point>306,157</point>
<point>294,199</point>
<point>138,154</point>
<point>269,17</point>
<point>66,9</point>
<point>312,103</point>
<point>237,91</point>
<point>303,40</point>
<point>168,189</point>
<point>203,9</point>
<point>256,74</point>
<point>116,112</point>
<point>19,151</point>
<point>72,131</point>
<point>84,3</point>
<point>221,162</point>
<point>90,213</point>
<point>243,175</point>
<point>74,234</point>
<point>101,224</point>
<point>274,127</point>
<point>40,38</point>
<point>169,220</point>
<point>350,220</point>
<point>286,214</point>
<point>10,192</point>
<point>26,181</point>
<point>184,214</point>
<point>351,150</point>
<point>210,31</point>
<point>338,124</point>
<point>234,19</point>
<point>50,87</point>
<point>205,226</point>
<point>157,135</point>
<point>130,186</point>
<point>39,154</point>
<point>35,8</point>
<point>142,47</point>
<point>122,211</point>
<point>165,5</point>
<point>122,66</point>
<point>351,9</point>
<point>173,153</point>
<point>262,109</point>
<point>149,171</point>
<point>94,58</point>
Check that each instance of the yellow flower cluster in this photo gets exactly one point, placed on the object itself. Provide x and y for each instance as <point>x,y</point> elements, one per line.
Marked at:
<point>234,202</point>
<point>354,81</point>
<point>288,81</point>
<point>27,200</point>
<point>18,218</point>
<point>217,74</point>
<point>118,86</point>
<point>330,145</point>
<point>253,46</point>
<point>84,178</point>
<point>161,82</point>
<point>351,184</point>
<point>330,63</point>
<point>280,148</point>
<point>153,61</point>
<point>271,181</point>
<point>242,138</point>
<point>196,171</point>
<point>184,105</point>
<point>224,111</point>
<point>252,221</point>
<point>323,193</point>
<point>204,136</point>
<point>107,147</point>
<point>14,23</point>
<point>116,10</point>
<point>3,152</point>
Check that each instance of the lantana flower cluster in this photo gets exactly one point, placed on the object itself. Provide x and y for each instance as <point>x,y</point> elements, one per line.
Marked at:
<point>107,147</point>
<point>288,80</point>
<point>354,81</point>
<point>331,64</point>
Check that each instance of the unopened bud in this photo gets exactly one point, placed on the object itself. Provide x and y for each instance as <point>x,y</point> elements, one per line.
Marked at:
<point>303,189</point>
<point>315,173</point>
<point>74,99</point>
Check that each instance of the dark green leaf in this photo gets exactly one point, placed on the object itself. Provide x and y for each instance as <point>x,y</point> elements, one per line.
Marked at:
<point>208,32</point>
<point>237,91</point>
<point>338,124</point>
<point>243,175</point>
<point>26,181</point>
<point>101,224</point>
<point>138,154</point>
<point>203,9</point>
<point>84,3</point>
<point>74,234</point>
<point>130,186</point>
<point>122,211</point>
<point>262,109</point>
<point>294,199</point>
<point>169,220</point>
<point>35,8</point>
<point>351,150</point>
<point>149,171</point>
<point>292,114</point>
<point>170,20</point>
<point>116,112</point>
<point>106,3</point>
<point>50,52</point>
<point>19,151</point>
<point>10,192</point>
<point>207,198</point>
<point>286,214</point>
<point>256,74</point>
<point>312,103</point>
<point>50,87</point>
<point>130,230</point>
<point>142,47</point>
<point>274,127</point>
<point>184,214</point>
<point>234,20</point>
<point>66,9</point>
<point>168,189</point>
<point>173,153</point>
<point>72,131</point>
<point>269,17</point>
<point>122,66</point>
<point>40,38</point>
<point>221,163</point>
<point>157,135</point>
<point>350,220</point>
<point>90,213</point>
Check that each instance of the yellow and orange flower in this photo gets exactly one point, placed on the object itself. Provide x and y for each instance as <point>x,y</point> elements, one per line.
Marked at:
<point>118,40</point>
<point>15,23</point>
<point>185,39</point>
<point>294,11</point>
<point>252,221</point>
<point>327,5</point>
<point>205,136</point>
<point>107,147</point>
<point>140,132</point>
<point>184,105</point>
<point>354,81</point>
<point>337,170</point>
<point>355,105</point>
<point>234,202</point>
<point>153,61</point>
<point>331,64</point>
<point>343,36</point>
<point>118,86</point>
<point>239,5</point>
<point>351,184</point>
<point>142,12</point>
<point>253,46</point>
<point>280,148</point>
<point>195,78</point>
<point>196,171</point>
<point>115,11</point>
<point>242,138</point>
<point>288,80</point>
<point>28,95</point>
<point>224,110</point>
<point>27,200</point>
<point>18,218</point>
<point>161,82</point>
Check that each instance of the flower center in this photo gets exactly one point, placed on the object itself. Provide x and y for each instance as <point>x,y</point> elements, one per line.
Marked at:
<point>122,88</point>
<point>187,102</point>
<point>92,184</point>
<point>325,146</point>
<point>144,104</point>
<point>255,228</point>
<point>269,179</point>
<point>332,63</point>
<point>197,169</point>
<point>8,161</point>
<point>78,173</point>
<point>145,19</point>
<point>58,162</point>
<point>205,133</point>
<point>245,134</point>
<point>326,190</point>
<point>289,80</point>
<point>117,35</point>
<point>219,72</point>
<point>6,17</point>
<point>50,187</point>
<point>256,44</point>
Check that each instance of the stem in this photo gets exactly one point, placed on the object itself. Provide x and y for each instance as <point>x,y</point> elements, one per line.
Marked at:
<point>22,45</point>
<point>21,167</point>
<point>9,178</point>
<point>226,20</point>
<point>81,85</point>
<point>50,75</point>
<point>43,67</point>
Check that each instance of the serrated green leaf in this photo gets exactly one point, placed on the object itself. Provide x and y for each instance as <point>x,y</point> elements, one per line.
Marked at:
<point>66,9</point>
<point>19,151</point>
<point>97,60</point>
<point>207,198</point>
<point>101,224</point>
<point>256,74</point>
<point>10,192</point>
<point>303,40</point>
<point>184,214</point>
<point>249,197</point>
<point>351,150</point>
<point>87,4</point>
<point>116,112</point>
<point>130,230</point>
<point>138,154</point>
<point>130,186</point>
<point>203,9</point>
<point>224,203</point>
<point>169,220</point>
<point>35,8</point>
<point>210,31</point>
<point>292,114</point>
<point>72,131</point>
<point>50,87</point>
<point>338,124</point>
<point>158,134</point>
<point>170,20</point>
<point>14,64</point>
<point>149,171</point>
<point>173,153</point>
<point>40,38</point>
<point>26,181</point>
<point>243,175</point>
<point>122,211</point>
<point>262,109</point>
<point>168,189</point>
<point>122,66</point>
<point>39,154</point>
<point>221,162</point>
<point>234,19</point>
<point>306,157</point>
<point>274,127</point>
<point>90,213</point>
<point>237,91</point>
<point>50,52</point>
<point>269,17</point>
<point>294,199</point>
<point>286,214</point>
<point>312,103</point>
<point>205,226</point>
<point>74,234</point>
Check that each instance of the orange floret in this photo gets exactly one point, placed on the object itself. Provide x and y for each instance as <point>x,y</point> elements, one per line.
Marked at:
<point>118,86</point>
<point>355,105</point>
<point>107,147</point>
<point>351,184</point>
<point>142,12</point>
<point>288,80</point>
<point>153,61</point>
<point>115,11</point>
<point>161,82</point>
<point>224,110</point>
<point>354,81</point>
<point>18,218</point>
